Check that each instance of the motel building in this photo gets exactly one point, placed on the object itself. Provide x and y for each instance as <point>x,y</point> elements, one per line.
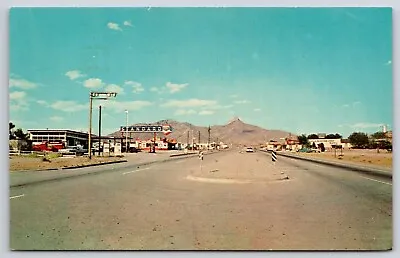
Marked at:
<point>59,136</point>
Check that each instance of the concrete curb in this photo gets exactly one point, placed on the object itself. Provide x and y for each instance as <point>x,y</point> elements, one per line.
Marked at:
<point>367,170</point>
<point>182,154</point>
<point>93,165</point>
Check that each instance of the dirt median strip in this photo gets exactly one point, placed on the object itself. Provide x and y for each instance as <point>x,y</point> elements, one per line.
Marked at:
<point>369,170</point>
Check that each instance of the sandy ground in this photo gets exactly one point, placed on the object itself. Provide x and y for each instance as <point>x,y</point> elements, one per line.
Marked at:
<point>366,157</point>
<point>35,163</point>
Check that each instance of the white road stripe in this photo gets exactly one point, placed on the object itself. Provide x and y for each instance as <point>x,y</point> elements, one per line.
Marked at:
<point>135,171</point>
<point>376,180</point>
<point>17,196</point>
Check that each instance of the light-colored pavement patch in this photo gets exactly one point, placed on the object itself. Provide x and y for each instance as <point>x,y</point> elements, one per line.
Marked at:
<point>17,196</point>
<point>235,181</point>
<point>218,180</point>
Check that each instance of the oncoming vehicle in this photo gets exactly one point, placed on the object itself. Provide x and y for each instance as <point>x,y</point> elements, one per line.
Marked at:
<point>249,149</point>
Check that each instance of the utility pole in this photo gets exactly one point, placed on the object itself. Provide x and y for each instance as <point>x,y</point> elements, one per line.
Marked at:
<point>90,127</point>
<point>209,137</point>
<point>126,132</point>
<point>192,140</point>
<point>188,139</point>
<point>199,137</point>
<point>99,128</point>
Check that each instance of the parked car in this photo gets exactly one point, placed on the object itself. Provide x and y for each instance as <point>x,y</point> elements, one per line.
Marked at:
<point>73,150</point>
<point>306,150</point>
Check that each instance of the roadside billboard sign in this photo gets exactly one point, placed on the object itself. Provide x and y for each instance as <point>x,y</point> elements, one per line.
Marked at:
<point>166,129</point>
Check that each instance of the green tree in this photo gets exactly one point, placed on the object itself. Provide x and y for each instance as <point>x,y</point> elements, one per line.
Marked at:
<point>338,136</point>
<point>333,136</point>
<point>303,140</point>
<point>19,134</point>
<point>378,135</point>
<point>359,140</point>
<point>11,127</point>
<point>312,136</point>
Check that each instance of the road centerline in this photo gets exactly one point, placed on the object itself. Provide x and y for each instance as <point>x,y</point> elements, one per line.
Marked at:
<point>125,173</point>
<point>376,180</point>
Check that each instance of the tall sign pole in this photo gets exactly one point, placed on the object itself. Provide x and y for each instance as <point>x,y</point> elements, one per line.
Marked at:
<point>101,96</point>
<point>90,126</point>
<point>99,128</point>
<point>126,136</point>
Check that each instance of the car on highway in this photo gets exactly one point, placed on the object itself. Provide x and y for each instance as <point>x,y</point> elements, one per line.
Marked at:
<point>249,149</point>
<point>73,150</point>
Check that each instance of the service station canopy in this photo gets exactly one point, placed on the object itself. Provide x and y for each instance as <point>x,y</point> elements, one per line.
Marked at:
<point>147,128</point>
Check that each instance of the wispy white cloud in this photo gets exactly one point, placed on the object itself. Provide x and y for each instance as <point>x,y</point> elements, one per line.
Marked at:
<point>137,86</point>
<point>216,106</point>
<point>56,118</point>
<point>257,109</point>
<point>356,103</point>
<point>182,112</point>
<point>17,95</point>
<point>389,62</point>
<point>189,103</point>
<point>74,74</point>
<point>121,106</point>
<point>42,102</point>
<point>114,26</point>
<point>18,101</point>
<point>115,88</point>
<point>22,83</point>
<point>363,125</point>
<point>233,96</point>
<point>241,101</point>
<point>93,83</point>
<point>155,89</point>
<point>174,87</point>
<point>128,23</point>
<point>345,105</point>
<point>206,112</point>
<point>68,106</point>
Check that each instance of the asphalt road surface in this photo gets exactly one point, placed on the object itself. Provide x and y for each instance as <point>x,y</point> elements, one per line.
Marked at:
<point>228,201</point>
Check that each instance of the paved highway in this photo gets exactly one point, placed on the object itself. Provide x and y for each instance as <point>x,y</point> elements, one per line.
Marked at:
<point>228,201</point>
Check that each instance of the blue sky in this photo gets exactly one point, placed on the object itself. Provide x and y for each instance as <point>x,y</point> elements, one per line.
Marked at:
<point>303,70</point>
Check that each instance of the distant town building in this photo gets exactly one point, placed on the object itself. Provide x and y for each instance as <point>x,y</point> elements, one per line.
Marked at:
<point>331,143</point>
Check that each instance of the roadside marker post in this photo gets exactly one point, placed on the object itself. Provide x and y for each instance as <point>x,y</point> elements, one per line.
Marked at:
<point>201,160</point>
<point>274,157</point>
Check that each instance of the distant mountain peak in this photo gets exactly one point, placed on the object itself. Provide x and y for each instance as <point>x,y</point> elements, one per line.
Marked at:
<point>235,119</point>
